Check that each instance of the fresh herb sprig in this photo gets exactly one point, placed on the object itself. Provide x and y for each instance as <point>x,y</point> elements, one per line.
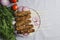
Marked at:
<point>6,27</point>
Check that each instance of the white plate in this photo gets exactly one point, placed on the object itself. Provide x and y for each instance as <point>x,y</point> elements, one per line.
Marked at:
<point>35,18</point>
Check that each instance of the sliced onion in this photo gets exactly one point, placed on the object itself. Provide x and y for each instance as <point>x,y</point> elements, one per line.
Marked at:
<point>23,8</point>
<point>26,9</point>
<point>20,8</point>
<point>26,34</point>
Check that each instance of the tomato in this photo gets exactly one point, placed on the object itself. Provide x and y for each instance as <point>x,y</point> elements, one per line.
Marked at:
<point>13,1</point>
<point>14,7</point>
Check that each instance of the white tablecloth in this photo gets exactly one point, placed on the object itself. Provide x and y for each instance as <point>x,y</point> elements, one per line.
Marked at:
<point>49,11</point>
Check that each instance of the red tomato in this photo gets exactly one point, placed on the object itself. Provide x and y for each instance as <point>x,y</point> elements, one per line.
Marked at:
<point>15,7</point>
<point>13,1</point>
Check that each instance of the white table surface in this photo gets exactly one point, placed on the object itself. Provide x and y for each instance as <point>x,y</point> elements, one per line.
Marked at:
<point>49,11</point>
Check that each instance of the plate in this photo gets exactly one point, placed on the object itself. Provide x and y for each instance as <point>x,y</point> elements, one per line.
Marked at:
<point>35,18</point>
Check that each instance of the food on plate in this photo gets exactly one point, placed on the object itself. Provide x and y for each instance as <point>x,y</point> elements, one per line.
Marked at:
<point>23,18</point>
<point>24,27</point>
<point>31,30</point>
<point>23,22</point>
<point>27,16</point>
<point>25,31</point>
<point>20,28</point>
<point>20,32</point>
<point>20,23</point>
<point>29,26</point>
<point>24,13</point>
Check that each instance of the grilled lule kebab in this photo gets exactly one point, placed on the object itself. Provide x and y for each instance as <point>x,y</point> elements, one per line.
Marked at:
<point>23,22</point>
